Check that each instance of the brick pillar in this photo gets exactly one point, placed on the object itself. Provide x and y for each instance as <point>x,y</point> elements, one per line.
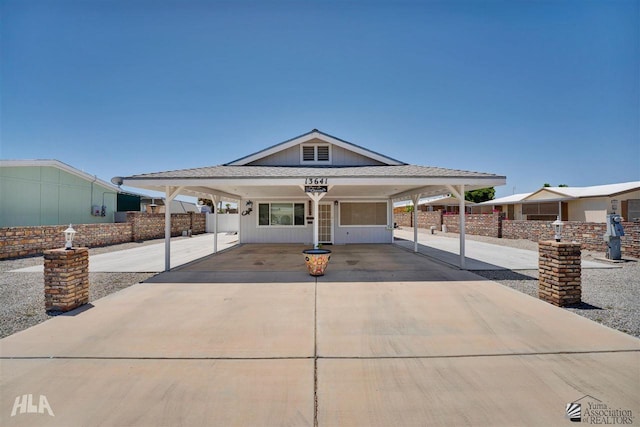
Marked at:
<point>559,270</point>
<point>66,278</point>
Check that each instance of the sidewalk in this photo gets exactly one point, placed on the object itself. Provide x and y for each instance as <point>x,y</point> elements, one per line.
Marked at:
<point>480,255</point>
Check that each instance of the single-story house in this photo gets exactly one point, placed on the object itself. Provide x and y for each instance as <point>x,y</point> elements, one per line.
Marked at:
<point>49,192</point>
<point>314,188</point>
<point>586,204</point>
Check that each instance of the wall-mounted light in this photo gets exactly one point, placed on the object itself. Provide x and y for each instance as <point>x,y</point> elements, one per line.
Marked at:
<point>69,234</point>
<point>249,206</point>
<point>335,202</point>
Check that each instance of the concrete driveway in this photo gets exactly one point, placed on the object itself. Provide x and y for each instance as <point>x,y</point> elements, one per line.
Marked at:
<point>373,352</point>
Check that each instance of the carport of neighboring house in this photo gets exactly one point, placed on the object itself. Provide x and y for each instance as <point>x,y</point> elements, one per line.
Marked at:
<point>314,188</point>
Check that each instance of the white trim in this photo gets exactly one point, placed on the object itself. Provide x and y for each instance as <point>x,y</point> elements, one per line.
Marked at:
<point>270,226</point>
<point>315,160</point>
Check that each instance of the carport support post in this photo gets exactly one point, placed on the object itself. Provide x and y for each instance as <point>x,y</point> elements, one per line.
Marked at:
<point>214,200</point>
<point>415,199</point>
<point>171,193</point>
<point>459,193</point>
<point>316,197</point>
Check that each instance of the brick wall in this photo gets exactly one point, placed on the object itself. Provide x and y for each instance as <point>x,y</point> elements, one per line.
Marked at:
<point>425,219</point>
<point>27,241</point>
<point>18,242</point>
<point>478,224</point>
<point>147,226</point>
<point>589,234</point>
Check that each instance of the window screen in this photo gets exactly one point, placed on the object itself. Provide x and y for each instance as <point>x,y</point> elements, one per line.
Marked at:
<point>280,214</point>
<point>369,213</point>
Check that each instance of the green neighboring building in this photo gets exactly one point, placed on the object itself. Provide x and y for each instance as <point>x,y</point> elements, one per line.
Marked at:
<point>49,192</point>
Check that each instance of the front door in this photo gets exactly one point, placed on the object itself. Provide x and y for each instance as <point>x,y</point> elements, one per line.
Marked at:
<point>325,223</point>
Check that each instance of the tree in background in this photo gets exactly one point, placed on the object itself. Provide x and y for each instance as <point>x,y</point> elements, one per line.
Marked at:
<point>481,195</point>
<point>546,184</point>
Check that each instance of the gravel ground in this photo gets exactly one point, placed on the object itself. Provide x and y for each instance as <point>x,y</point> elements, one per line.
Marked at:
<point>22,294</point>
<point>609,296</point>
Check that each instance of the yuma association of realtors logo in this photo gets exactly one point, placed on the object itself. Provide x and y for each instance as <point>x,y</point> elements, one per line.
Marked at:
<point>595,411</point>
<point>25,405</point>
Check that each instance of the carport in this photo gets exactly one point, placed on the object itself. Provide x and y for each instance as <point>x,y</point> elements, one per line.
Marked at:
<point>321,170</point>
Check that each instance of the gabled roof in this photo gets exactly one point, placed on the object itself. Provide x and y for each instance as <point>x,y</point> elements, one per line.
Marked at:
<point>567,193</point>
<point>59,165</point>
<point>508,200</point>
<point>309,136</point>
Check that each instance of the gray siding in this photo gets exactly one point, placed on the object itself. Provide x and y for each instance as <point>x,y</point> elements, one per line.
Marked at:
<point>348,235</point>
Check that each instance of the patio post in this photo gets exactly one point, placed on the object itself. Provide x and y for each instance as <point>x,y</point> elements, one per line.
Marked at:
<point>316,197</point>
<point>170,194</point>
<point>214,200</point>
<point>415,199</point>
<point>459,193</point>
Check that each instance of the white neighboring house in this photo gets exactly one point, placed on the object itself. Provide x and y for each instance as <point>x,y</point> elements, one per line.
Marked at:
<point>586,204</point>
<point>314,188</point>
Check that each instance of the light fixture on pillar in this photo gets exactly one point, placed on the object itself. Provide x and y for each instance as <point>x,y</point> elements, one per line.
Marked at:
<point>69,234</point>
<point>557,227</point>
<point>249,206</point>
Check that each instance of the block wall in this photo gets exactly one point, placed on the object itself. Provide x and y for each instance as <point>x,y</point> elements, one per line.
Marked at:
<point>478,224</point>
<point>16,242</point>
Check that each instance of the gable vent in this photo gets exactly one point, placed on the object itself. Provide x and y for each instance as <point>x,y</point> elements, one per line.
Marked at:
<point>308,154</point>
<point>323,153</point>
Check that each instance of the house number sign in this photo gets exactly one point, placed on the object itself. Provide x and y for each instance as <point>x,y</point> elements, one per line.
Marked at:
<point>316,181</point>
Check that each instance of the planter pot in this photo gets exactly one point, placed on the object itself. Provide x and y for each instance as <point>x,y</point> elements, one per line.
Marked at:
<point>316,260</point>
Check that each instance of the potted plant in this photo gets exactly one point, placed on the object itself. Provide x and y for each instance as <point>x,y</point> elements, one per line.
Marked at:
<point>317,260</point>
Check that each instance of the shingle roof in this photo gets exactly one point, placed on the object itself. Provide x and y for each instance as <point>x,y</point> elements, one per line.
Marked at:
<point>402,171</point>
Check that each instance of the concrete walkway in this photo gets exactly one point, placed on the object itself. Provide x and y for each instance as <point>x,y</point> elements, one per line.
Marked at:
<point>461,351</point>
<point>480,255</point>
<point>150,258</point>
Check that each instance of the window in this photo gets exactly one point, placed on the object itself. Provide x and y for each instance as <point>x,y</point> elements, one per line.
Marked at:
<point>280,214</point>
<point>363,213</point>
<point>315,154</point>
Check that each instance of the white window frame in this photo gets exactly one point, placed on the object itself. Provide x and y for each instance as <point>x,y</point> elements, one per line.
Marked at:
<point>293,205</point>
<point>315,154</point>
<point>339,214</point>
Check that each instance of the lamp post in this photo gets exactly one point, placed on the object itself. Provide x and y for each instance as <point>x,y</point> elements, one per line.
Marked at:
<point>557,226</point>
<point>69,234</point>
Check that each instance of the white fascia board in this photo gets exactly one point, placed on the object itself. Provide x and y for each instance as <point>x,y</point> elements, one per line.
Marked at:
<point>212,182</point>
<point>59,165</point>
<point>309,137</point>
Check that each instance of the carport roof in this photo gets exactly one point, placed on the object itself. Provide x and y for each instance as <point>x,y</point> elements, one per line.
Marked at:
<point>330,171</point>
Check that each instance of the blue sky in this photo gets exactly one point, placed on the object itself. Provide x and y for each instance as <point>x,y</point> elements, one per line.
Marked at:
<point>539,91</point>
